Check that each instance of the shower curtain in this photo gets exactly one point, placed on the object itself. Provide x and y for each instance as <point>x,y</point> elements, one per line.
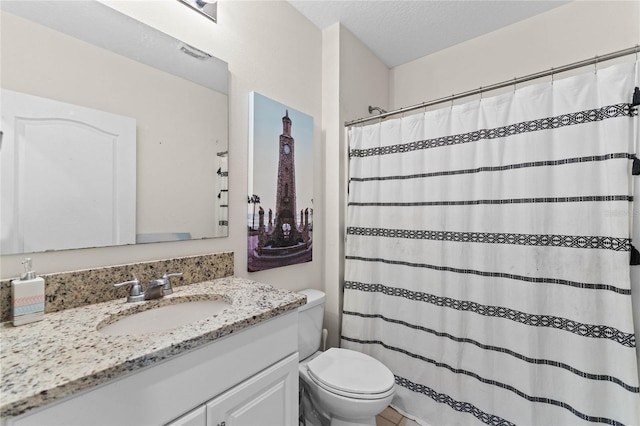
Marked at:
<point>488,255</point>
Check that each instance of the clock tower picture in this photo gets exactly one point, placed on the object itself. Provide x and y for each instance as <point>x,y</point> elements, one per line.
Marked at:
<point>282,182</point>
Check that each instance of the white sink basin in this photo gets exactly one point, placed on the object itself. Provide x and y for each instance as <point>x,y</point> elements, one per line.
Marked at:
<point>165,317</point>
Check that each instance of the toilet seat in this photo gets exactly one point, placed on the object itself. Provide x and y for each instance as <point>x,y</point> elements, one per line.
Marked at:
<point>351,374</point>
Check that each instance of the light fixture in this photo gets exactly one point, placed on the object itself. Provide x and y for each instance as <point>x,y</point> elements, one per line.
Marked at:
<point>208,8</point>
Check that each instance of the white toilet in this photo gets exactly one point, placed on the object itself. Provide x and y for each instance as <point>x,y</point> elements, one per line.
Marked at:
<point>345,386</point>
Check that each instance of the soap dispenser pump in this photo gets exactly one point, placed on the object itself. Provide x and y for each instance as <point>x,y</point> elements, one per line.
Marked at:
<point>27,294</point>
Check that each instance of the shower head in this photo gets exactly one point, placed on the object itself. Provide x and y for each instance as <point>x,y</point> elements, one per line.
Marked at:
<point>375,108</point>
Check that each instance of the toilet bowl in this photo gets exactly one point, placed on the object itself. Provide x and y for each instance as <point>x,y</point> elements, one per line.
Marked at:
<point>347,387</point>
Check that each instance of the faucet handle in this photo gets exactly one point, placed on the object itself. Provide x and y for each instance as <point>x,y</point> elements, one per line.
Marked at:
<point>135,294</point>
<point>174,274</point>
<point>167,285</point>
<point>134,282</point>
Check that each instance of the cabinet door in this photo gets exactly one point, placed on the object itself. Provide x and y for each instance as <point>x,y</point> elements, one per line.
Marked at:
<point>196,417</point>
<point>270,398</point>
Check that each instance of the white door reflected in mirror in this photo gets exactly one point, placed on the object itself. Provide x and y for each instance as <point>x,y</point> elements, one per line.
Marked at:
<point>68,176</point>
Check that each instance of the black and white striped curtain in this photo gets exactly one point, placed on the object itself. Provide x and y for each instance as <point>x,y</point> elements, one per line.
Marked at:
<point>488,255</point>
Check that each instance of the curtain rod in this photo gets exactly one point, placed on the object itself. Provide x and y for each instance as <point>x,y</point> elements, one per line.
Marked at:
<point>515,81</point>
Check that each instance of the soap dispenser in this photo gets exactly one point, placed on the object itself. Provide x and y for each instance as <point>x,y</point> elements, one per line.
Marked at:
<point>27,294</point>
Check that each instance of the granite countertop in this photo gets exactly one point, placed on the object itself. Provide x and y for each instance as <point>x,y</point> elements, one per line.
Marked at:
<point>63,354</point>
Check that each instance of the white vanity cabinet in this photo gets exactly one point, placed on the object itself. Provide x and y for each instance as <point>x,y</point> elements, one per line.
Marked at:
<point>246,378</point>
<point>195,417</point>
<point>267,399</point>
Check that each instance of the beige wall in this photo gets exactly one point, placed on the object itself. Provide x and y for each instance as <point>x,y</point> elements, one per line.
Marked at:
<point>331,76</point>
<point>569,33</point>
<point>28,49</point>
<point>353,79</point>
<point>332,166</point>
<point>271,49</point>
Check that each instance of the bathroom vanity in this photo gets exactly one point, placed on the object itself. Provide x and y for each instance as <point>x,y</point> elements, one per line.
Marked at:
<point>240,365</point>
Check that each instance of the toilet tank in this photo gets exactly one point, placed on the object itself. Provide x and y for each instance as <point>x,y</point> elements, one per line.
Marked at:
<point>310,318</point>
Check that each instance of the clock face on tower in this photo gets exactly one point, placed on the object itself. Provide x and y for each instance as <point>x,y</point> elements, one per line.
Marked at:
<point>287,150</point>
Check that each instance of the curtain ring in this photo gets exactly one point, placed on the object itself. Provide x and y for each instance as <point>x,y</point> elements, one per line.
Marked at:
<point>595,64</point>
<point>481,92</point>
<point>452,96</point>
<point>552,76</point>
<point>515,84</point>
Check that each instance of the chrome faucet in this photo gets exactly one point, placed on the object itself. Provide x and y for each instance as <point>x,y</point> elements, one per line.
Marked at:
<point>165,282</point>
<point>155,289</point>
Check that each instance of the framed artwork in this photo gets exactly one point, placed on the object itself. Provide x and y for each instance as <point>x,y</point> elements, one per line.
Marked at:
<point>280,199</point>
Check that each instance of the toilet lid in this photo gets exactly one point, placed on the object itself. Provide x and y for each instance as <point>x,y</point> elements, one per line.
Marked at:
<point>350,371</point>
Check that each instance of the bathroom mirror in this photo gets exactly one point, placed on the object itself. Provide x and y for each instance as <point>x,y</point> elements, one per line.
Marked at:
<point>77,181</point>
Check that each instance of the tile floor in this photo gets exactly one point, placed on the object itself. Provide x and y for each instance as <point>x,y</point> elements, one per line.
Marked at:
<point>390,417</point>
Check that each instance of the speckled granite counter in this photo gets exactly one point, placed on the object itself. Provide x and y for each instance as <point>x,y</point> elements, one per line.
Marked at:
<point>65,353</point>
<point>72,289</point>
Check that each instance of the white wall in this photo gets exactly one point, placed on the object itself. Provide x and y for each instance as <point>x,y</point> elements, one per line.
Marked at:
<point>271,49</point>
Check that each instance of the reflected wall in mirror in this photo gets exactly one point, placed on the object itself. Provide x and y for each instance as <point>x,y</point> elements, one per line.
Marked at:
<point>167,181</point>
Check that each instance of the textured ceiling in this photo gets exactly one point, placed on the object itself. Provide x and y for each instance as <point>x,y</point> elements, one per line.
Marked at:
<point>400,31</point>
